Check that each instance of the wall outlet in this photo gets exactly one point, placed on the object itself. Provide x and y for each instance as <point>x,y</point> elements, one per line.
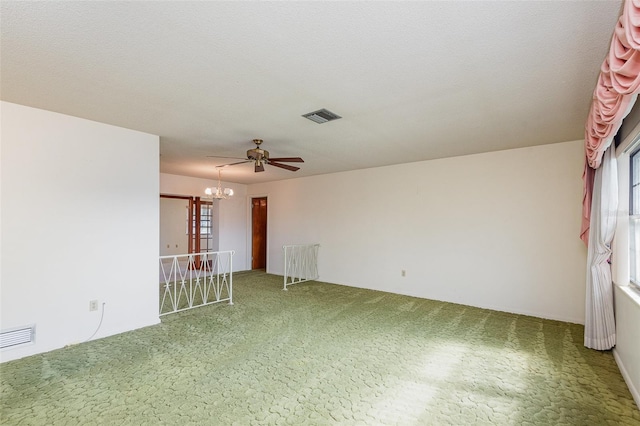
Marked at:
<point>403,273</point>
<point>93,305</point>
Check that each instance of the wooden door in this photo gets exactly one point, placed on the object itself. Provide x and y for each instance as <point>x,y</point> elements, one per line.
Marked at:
<point>259,233</point>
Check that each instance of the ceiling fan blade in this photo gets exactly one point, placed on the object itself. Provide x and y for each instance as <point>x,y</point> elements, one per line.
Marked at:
<point>259,167</point>
<point>288,159</point>
<point>284,166</point>
<point>218,156</point>
<point>233,164</point>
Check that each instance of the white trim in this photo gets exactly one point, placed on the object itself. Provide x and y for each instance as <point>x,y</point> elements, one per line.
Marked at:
<point>627,378</point>
<point>624,352</point>
<point>630,291</point>
<point>630,143</point>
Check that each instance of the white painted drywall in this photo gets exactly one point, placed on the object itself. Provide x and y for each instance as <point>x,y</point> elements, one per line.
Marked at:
<point>79,223</point>
<point>229,215</point>
<point>627,350</point>
<point>174,238</point>
<point>496,230</point>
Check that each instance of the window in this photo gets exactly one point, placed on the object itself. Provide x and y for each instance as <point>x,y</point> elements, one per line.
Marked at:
<point>206,216</point>
<point>201,219</point>
<point>634,218</point>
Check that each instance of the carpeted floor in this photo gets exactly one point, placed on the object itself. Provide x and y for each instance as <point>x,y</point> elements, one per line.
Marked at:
<point>322,354</point>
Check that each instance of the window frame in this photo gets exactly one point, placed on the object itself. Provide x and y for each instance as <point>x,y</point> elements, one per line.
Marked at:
<point>634,215</point>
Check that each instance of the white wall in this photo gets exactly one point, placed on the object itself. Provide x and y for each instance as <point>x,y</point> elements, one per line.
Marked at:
<point>627,350</point>
<point>173,226</point>
<point>496,230</point>
<point>231,212</point>
<point>79,223</point>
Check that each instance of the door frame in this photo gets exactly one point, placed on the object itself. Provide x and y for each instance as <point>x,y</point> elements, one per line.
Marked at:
<point>250,229</point>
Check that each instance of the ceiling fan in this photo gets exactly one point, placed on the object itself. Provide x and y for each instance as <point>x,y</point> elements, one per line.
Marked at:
<point>260,157</point>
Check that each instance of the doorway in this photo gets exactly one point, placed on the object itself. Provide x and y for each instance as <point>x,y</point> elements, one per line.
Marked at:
<point>187,225</point>
<point>174,223</point>
<point>259,233</point>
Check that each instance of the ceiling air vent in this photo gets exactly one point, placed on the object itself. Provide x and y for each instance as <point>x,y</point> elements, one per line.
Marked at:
<point>321,116</point>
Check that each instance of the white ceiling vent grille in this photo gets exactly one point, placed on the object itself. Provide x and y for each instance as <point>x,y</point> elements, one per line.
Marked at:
<point>321,116</point>
<point>17,336</point>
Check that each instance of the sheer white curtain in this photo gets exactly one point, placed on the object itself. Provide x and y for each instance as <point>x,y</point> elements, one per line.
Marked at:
<point>600,328</point>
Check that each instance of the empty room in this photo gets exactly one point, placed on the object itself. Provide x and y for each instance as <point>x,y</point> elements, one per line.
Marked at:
<point>320,213</point>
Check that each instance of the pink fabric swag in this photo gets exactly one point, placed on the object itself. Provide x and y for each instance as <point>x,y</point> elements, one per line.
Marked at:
<point>615,93</point>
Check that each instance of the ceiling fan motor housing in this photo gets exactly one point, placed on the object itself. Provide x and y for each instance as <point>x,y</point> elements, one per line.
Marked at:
<point>258,154</point>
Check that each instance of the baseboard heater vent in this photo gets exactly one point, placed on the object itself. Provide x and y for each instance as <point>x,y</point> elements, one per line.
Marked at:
<point>17,336</point>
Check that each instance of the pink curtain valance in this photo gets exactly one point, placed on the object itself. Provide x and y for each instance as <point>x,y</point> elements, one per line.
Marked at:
<point>618,84</point>
<point>624,61</point>
<point>632,23</point>
<point>615,93</point>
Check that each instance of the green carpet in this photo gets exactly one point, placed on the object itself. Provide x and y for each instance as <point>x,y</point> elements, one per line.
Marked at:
<point>322,354</point>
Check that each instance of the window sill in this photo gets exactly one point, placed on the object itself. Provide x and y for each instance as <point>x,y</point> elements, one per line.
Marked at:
<point>631,291</point>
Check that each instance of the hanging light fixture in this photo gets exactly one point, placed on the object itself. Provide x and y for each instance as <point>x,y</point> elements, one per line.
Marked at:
<point>217,192</point>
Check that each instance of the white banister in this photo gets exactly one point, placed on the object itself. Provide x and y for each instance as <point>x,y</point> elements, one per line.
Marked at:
<point>196,279</point>
<point>300,263</point>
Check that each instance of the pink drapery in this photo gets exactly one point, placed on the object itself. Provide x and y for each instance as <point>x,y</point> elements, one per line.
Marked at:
<point>615,93</point>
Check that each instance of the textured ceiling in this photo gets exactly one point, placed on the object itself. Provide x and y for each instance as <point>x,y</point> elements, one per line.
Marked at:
<point>412,80</point>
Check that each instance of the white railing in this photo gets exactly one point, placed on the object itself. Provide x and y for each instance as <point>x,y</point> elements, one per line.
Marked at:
<point>191,280</point>
<point>300,263</point>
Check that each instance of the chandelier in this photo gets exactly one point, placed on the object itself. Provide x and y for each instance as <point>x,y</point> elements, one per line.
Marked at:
<point>218,193</point>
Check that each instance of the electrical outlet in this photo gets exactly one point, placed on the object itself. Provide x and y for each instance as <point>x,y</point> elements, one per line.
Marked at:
<point>404,273</point>
<point>93,305</point>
